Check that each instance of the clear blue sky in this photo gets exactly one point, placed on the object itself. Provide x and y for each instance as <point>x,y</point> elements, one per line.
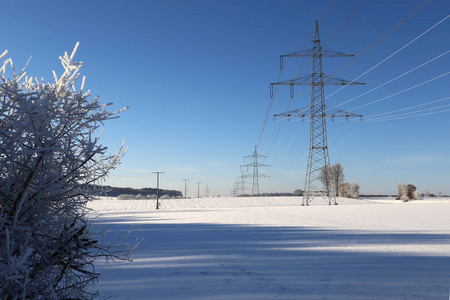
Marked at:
<point>196,76</point>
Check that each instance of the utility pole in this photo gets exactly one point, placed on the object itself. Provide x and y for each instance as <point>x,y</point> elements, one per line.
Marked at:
<point>185,187</point>
<point>317,113</point>
<point>157,187</point>
<point>198,189</point>
<point>256,175</point>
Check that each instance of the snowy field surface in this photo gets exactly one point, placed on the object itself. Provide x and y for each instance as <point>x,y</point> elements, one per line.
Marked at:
<point>273,248</point>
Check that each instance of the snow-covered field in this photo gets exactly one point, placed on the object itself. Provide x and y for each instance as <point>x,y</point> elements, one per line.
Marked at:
<point>272,248</point>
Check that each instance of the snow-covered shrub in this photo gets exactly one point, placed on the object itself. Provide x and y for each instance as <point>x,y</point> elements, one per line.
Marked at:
<point>349,190</point>
<point>353,190</point>
<point>439,194</point>
<point>164,197</point>
<point>416,195</point>
<point>126,197</point>
<point>49,156</point>
<point>401,191</point>
<point>411,192</point>
<point>343,189</point>
<point>426,194</point>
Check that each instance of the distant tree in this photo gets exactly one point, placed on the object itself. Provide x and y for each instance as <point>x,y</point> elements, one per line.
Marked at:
<point>343,189</point>
<point>325,178</point>
<point>332,177</point>
<point>353,190</point>
<point>298,192</point>
<point>349,190</point>
<point>49,159</point>
<point>401,191</point>
<point>337,176</point>
<point>426,194</point>
<point>411,192</point>
<point>439,194</point>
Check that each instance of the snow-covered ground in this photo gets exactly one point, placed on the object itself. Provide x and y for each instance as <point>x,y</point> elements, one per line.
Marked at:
<point>272,248</point>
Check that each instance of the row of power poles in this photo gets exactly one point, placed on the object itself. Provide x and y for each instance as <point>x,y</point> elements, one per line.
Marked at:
<point>185,188</point>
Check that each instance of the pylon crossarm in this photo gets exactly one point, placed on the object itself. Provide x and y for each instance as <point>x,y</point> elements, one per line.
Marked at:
<point>310,80</point>
<point>323,52</point>
<point>305,113</point>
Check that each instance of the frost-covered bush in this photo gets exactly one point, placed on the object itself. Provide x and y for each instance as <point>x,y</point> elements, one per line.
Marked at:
<point>354,190</point>
<point>401,191</point>
<point>126,197</point>
<point>49,156</point>
<point>412,192</point>
<point>343,189</point>
<point>349,190</point>
<point>407,192</point>
<point>135,197</point>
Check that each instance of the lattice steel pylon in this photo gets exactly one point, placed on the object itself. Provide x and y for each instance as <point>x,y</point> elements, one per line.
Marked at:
<point>242,182</point>
<point>256,175</point>
<point>317,112</point>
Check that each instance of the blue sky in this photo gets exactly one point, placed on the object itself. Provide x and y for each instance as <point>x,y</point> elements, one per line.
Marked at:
<point>196,76</point>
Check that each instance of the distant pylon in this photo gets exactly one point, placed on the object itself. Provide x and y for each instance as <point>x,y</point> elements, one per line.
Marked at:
<point>256,175</point>
<point>242,182</point>
<point>317,112</point>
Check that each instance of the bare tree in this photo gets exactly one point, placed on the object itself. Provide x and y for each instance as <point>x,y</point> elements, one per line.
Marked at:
<point>325,178</point>
<point>49,161</point>
<point>337,176</point>
<point>332,177</point>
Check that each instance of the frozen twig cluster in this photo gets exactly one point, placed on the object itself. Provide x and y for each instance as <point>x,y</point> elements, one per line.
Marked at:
<point>50,156</point>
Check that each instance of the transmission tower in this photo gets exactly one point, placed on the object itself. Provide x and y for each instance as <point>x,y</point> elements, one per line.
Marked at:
<point>317,112</point>
<point>235,190</point>
<point>256,175</point>
<point>242,182</point>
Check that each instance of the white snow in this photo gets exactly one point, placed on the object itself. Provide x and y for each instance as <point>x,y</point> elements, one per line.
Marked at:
<point>273,248</point>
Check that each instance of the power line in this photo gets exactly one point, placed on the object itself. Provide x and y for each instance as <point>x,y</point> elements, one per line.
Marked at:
<point>387,33</point>
<point>409,113</point>
<point>392,80</point>
<point>402,91</point>
<point>406,117</point>
<point>384,60</point>
<point>407,108</point>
